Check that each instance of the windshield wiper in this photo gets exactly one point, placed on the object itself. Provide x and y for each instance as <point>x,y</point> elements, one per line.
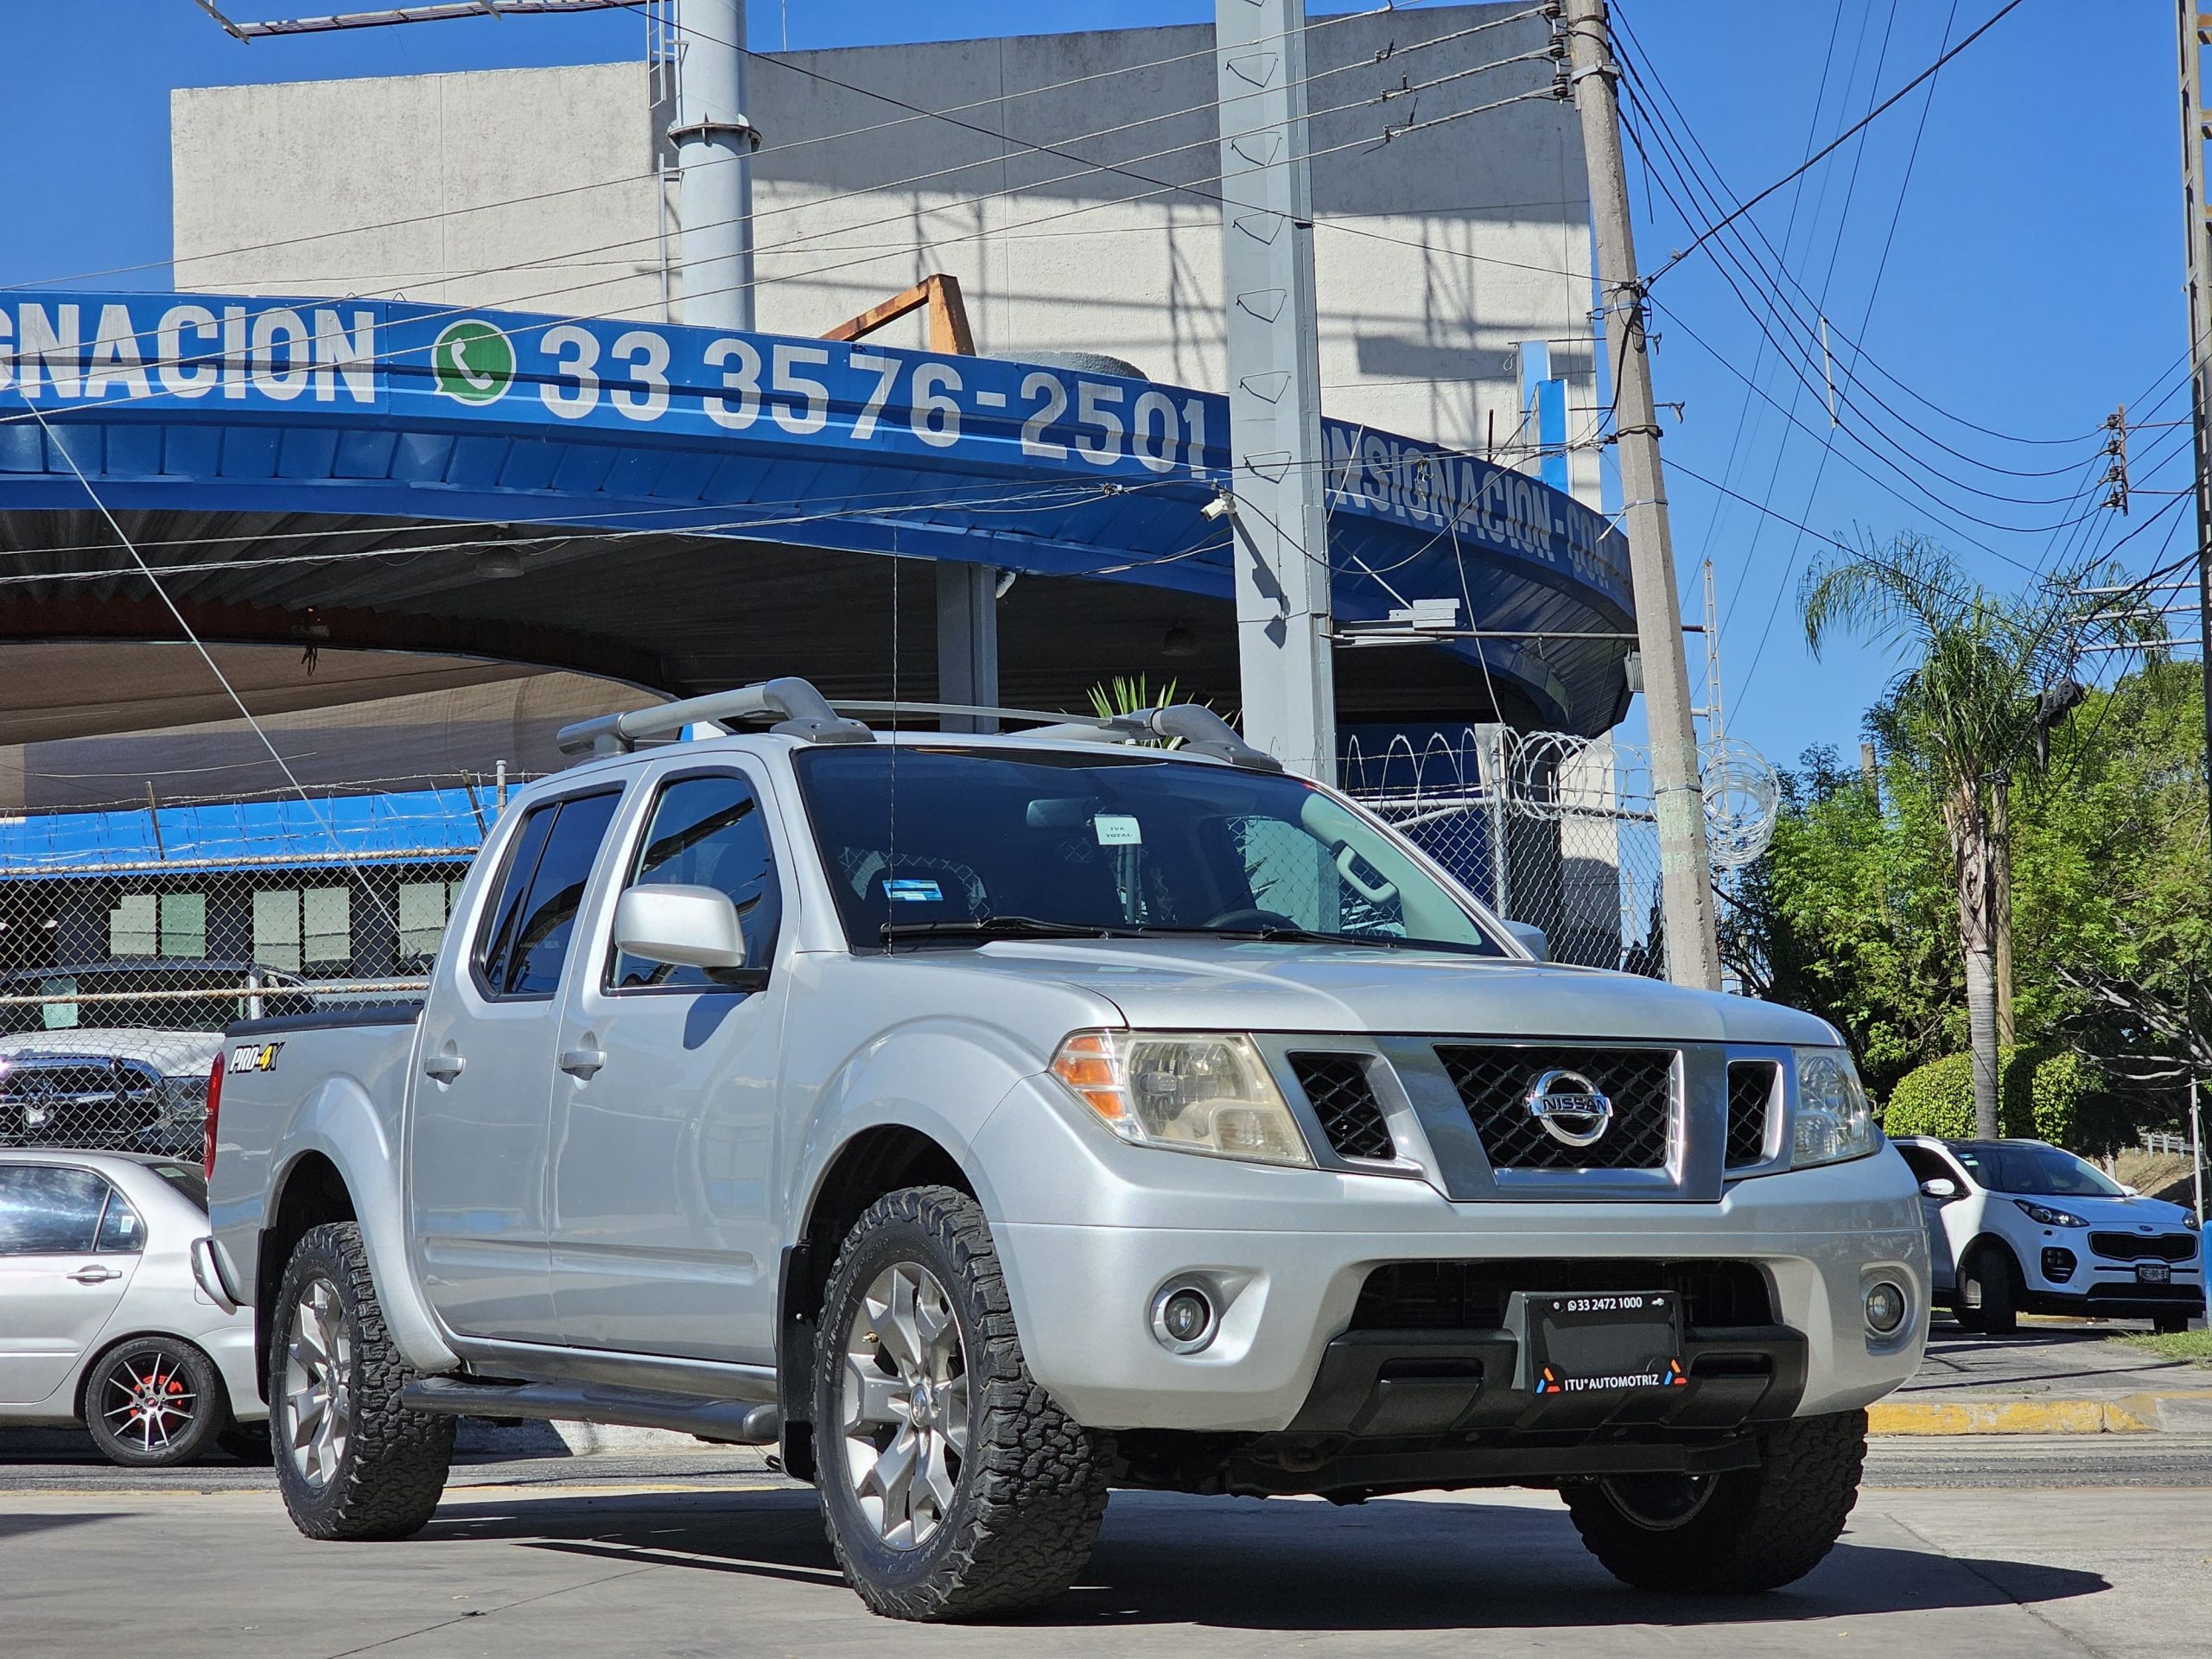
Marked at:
<point>1277,934</point>
<point>982,928</point>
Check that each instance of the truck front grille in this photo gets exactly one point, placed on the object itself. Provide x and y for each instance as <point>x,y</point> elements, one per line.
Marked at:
<point>1494,1082</point>
<point>90,1102</point>
<point>1750,1097</point>
<point>1471,1295</point>
<point>1343,1099</point>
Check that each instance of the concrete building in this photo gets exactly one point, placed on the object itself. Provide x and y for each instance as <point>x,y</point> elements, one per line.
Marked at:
<point>1068,184</point>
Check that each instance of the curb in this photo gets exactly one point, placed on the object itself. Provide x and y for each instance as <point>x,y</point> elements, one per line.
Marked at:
<point>2133,1413</point>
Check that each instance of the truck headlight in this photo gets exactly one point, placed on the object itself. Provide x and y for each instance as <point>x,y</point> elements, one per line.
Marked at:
<point>1834,1122</point>
<point>1188,1093</point>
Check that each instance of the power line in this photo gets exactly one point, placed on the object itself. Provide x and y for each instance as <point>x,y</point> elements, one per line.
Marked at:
<point>1676,258</point>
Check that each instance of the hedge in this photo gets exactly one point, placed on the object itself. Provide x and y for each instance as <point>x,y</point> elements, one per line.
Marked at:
<point>2041,1093</point>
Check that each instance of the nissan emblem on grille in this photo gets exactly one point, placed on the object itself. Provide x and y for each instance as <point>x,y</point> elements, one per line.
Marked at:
<point>1569,1107</point>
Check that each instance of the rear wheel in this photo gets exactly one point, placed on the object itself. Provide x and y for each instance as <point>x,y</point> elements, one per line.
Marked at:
<point>1989,1292</point>
<point>1733,1533</point>
<point>350,1461</point>
<point>154,1401</point>
<point>952,1486</point>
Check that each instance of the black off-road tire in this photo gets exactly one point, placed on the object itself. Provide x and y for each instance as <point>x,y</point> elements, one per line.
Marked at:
<point>1030,1493</point>
<point>1990,1270</point>
<point>175,1365</point>
<point>387,1481</point>
<point>1757,1530</point>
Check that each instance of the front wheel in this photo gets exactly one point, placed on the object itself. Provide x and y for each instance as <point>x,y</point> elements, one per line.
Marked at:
<point>1733,1533</point>
<point>1989,1292</point>
<point>351,1462</point>
<point>2170,1324</point>
<point>154,1401</point>
<point>952,1486</point>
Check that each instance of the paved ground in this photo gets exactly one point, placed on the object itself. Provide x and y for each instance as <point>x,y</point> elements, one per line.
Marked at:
<point>2014,1548</point>
<point>2002,1545</point>
<point>2046,1357</point>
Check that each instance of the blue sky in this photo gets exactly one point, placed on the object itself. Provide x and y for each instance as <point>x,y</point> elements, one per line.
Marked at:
<point>2031,282</point>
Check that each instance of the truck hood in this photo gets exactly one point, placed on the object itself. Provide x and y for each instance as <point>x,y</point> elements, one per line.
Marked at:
<point>174,1053</point>
<point>1217,986</point>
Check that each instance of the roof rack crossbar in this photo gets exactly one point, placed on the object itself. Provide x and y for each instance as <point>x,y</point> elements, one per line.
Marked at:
<point>1198,727</point>
<point>796,707</point>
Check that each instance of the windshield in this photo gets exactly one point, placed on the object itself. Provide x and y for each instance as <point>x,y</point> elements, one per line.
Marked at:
<point>2036,1171</point>
<point>186,1180</point>
<point>1115,843</point>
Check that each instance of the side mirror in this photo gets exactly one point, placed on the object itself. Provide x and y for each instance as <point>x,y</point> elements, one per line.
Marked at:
<point>1940,1188</point>
<point>691,927</point>
<point>1530,938</point>
<point>2132,1191</point>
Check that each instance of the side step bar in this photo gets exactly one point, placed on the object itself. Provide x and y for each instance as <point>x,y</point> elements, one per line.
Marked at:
<point>734,1422</point>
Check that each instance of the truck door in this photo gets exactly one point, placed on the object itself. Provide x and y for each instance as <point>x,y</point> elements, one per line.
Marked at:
<point>478,1139</point>
<point>665,1105</point>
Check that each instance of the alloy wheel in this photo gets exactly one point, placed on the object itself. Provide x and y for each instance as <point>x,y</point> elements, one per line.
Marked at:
<point>904,1404</point>
<point>318,1384</point>
<point>145,1405</point>
<point>1659,1502</point>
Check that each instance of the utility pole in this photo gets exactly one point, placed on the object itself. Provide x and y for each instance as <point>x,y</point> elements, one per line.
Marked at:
<point>2197,233</point>
<point>1279,521</point>
<point>715,143</point>
<point>1686,867</point>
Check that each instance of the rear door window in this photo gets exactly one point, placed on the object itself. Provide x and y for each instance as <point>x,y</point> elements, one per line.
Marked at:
<point>49,1209</point>
<point>531,922</point>
<point>121,1231</point>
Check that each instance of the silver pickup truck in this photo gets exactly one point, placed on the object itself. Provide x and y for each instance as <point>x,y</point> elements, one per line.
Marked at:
<point>991,1120</point>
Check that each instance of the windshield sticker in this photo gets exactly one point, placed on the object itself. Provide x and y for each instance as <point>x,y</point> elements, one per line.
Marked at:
<point>1117,829</point>
<point>907,890</point>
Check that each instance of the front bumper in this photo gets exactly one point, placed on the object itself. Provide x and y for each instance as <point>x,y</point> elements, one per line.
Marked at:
<point>1089,1230</point>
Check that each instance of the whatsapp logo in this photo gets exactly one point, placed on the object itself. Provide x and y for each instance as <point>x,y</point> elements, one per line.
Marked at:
<point>472,362</point>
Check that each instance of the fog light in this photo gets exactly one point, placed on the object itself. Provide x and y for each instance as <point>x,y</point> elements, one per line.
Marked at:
<point>1182,1319</point>
<point>2058,1266</point>
<point>1885,1308</point>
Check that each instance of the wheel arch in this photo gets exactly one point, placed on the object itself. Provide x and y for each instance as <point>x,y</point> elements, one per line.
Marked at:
<point>871,1163</point>
<point>311,1193</point>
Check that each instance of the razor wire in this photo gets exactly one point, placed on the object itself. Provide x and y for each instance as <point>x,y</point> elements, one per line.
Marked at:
<point>1558,830</point>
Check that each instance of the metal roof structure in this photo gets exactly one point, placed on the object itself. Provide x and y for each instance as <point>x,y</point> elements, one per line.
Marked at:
<point>685,509</point>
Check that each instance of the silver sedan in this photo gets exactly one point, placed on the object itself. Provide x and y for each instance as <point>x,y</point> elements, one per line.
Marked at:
<point>112,1313</point>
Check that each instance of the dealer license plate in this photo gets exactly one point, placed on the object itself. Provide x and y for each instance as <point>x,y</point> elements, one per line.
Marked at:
<point>1608,1341</point>
<point>2153,1272</point>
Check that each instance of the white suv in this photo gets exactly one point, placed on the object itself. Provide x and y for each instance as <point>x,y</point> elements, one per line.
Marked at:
<point>2020,1227</point>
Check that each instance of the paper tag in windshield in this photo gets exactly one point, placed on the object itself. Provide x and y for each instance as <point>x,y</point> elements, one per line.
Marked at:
<point>1117,829</point>
<point>909,892</point>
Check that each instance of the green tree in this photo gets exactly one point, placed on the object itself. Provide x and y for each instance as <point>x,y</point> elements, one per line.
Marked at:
<point>1980,670</point>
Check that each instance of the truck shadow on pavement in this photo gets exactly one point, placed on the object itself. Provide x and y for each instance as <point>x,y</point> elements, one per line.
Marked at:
<point>1391,1564</point>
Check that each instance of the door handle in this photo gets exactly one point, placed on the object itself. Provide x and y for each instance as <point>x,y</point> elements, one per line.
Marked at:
<point>95,1275</point>
<point>444,1067</point>
<point>582,1062</point>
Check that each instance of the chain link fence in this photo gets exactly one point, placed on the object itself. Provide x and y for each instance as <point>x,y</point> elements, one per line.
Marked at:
<point>131,936</point>
<point>1547,829</point>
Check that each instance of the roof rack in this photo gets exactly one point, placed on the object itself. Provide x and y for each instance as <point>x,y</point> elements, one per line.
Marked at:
<point>796,707</point>
<point>1198,728</point>
<point>800,711</point>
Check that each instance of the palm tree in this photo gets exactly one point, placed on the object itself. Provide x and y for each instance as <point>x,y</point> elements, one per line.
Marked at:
<point>1985,672</point>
